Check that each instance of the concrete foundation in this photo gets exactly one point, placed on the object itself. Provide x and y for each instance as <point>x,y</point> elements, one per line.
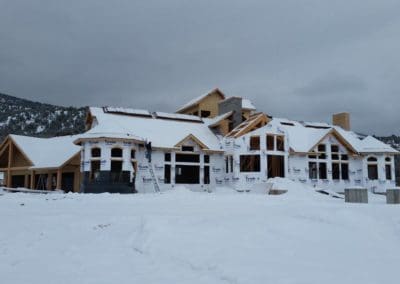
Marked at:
<point>393,196</point>
<point>356,195</point>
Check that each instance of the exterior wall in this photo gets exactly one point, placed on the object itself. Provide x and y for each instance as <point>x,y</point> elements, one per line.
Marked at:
<point>209,103</point>
<point>240,146</point>
<point>381,184</point>
<point>143,181</point>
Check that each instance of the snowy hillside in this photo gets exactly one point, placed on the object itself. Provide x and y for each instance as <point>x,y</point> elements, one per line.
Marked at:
<point>186,237</point>
<point>19,116</point>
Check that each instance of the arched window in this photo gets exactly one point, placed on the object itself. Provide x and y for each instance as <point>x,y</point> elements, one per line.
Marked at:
<point>116,153</point>
<point>372,164</point>
<point>388,168</point>
<point>96,152</point>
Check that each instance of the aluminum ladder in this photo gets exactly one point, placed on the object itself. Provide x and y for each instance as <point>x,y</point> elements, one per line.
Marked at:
<point>153,176</point>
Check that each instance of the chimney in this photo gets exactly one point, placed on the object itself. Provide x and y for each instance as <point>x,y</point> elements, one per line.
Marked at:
<point>232,104</point>
<point>342,120</point>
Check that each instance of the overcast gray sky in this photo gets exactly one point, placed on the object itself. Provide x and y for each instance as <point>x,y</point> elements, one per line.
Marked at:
<point>297,59</point>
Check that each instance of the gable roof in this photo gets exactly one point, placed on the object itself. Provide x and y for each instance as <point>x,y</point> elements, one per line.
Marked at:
<point>198,99</point>
<point>255,121</point>
<point>46,152</point>
<point>163,133</point>
<point>303,139</point>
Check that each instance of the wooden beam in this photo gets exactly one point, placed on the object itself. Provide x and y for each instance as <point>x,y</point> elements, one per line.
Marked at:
<point>59,177</point>
<point>15,168</point>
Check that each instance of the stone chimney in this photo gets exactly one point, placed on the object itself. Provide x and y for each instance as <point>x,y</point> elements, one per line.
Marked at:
<point>232,104</point>
<point>342,120</point>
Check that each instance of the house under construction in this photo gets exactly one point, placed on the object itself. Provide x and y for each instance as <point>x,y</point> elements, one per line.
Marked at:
<point>211,141</point>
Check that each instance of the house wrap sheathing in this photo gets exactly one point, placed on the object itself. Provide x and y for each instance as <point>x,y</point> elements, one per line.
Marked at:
<point>215,140</point>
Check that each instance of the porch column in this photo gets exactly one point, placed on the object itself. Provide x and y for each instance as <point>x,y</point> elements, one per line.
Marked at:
<point>59,176</point>
<point>26,181</point>
<point>49,180</point>
<point>10,148</point>
<point>32,179</point>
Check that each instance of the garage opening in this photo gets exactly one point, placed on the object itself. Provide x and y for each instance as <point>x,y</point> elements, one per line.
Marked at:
<point>18,181</point>
<point>185,174</point>
<point>276,166</point>
<point>67,183</point>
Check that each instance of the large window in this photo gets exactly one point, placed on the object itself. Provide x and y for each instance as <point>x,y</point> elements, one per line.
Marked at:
<point>228,164</point>
<point>167,173</point>
<point>167,168</point>
<point>388,168</point>
<point>317,168</point>
<point>270,142</point>
<point>206,169</point>
<point>255,143</point>
<point>275,142</point>
<point>116,152</point>
<point>372,164</point>
<point>276,166</point>
<point>250,163</point>
<point>280,143</point>
<point>340,164</point>
<point>96,152</point>
<point>187,158</point>
<point>94,170</point>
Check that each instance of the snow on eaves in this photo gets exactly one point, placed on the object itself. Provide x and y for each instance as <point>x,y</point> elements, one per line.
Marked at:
<point>47,152</point>
<point>163,133</point>
<point>247,104</point>
<point>214,121</point>
<point>195,100</point>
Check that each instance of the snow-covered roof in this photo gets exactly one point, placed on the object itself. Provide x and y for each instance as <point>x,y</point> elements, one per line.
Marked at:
<point>164,133</point>
<point>177,116</point>
<point>215,120</point>
<point>302,139</point>
<point>129,111</point>
<point>247,104</point>
<point>198,99</point>
<point>372,145</point>
<point>47,152</point>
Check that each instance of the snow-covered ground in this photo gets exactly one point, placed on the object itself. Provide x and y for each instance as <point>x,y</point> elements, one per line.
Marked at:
<point>186,237</point>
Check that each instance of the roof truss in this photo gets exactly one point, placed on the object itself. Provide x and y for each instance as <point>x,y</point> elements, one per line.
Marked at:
<point>254,122</point>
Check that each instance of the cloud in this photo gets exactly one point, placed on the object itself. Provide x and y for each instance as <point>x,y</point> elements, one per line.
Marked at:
<point>333,85</point>
<point>293,59</point>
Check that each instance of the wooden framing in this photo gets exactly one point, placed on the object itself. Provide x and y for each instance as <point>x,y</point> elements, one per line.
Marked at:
<point>339,137</point>
<point>207,102</point>
<point>195,139</point>
<point>19,164</point>
<point>254,122</point>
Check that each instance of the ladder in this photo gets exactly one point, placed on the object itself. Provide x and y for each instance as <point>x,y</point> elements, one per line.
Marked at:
<point>153,176</point>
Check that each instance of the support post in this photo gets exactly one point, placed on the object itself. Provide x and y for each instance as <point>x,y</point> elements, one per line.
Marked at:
<point>49,180</point>
<point>26,181</point>
<point>32,179</point>
<point>10,148</point>
<point>59,176</point>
